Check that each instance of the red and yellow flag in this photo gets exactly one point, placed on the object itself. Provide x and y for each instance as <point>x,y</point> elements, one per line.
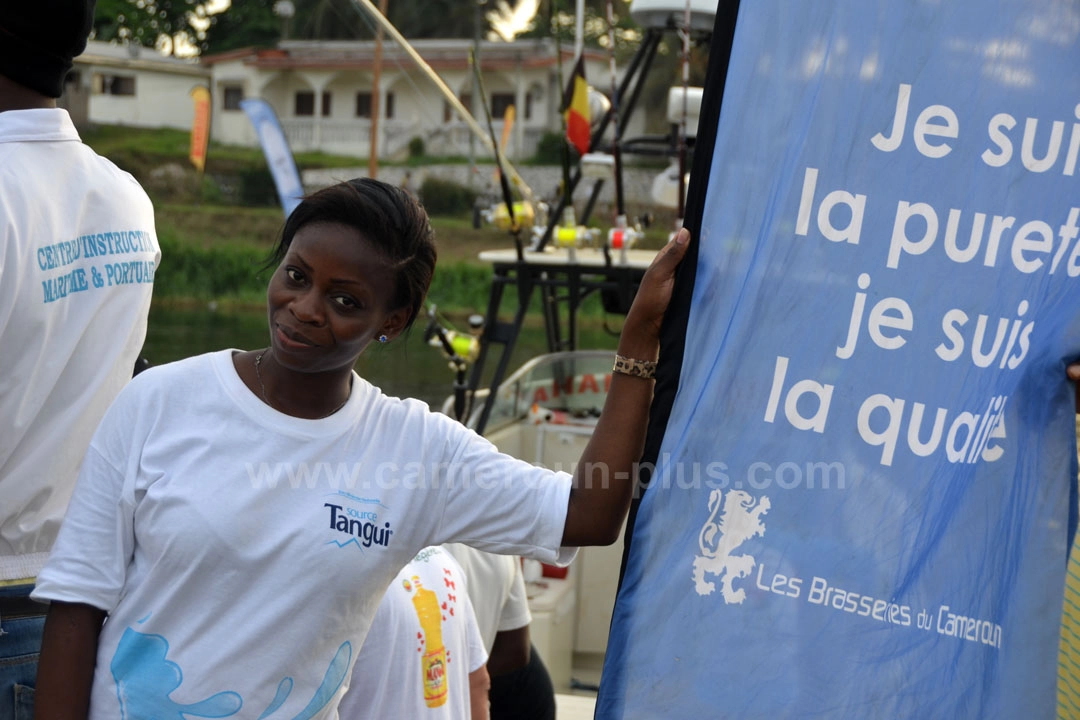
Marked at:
<point>200,127</point>
<point>576,109</point>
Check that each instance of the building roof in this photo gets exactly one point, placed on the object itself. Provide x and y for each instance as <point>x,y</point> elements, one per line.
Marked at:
<point>136,57</point>
<point>441,54</point>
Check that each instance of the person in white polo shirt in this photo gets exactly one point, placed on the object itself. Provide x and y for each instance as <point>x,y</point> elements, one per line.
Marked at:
<point>521,687</point>
<point>78,251</point>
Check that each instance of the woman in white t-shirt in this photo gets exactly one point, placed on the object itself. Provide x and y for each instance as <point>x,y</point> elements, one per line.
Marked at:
<point>239,515</point>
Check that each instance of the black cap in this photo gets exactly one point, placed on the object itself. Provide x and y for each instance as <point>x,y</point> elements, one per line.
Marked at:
<point>39,39</point>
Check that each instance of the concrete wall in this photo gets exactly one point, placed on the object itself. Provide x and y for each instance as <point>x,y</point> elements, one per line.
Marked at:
<point>159,101</point>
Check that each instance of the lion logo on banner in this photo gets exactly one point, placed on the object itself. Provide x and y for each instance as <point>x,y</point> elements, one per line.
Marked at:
<point>740,521</point>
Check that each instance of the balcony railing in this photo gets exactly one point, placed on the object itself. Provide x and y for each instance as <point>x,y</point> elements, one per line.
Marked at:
<point>353,137</point>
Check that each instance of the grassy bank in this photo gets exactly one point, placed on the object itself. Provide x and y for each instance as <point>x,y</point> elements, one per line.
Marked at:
<point>217,229</point>
<point>218,254</point>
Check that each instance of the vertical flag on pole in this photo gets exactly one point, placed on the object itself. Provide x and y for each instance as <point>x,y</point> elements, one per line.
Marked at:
<point>576,108</point>
<point>508,124</point>
<point>861,493</point>
<point>200,127</point>
<point>276,149</point>
<point>504,140</point>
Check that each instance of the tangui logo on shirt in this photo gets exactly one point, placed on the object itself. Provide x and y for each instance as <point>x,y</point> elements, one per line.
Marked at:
<point>361,526</point>
<point>741,520</point>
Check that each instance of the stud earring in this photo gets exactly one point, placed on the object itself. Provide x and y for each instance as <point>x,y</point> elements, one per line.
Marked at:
<point>383,338</point>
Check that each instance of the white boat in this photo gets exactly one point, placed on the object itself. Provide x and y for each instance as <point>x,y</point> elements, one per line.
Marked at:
<point>545,412</point>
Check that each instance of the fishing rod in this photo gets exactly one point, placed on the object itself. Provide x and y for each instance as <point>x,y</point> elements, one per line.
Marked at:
<point>451,98</point>
<point>568,233</point>
<point>460,349</point>
<point>616,150</point>
<point>680,211</point>
<point>621,236</point>
<point>567,200</point>
<point>504,184</point>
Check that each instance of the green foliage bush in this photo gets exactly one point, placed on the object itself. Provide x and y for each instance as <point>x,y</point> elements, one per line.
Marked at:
<point>257,187</point>
<point>210,191</point>
<point>460,286</point>
<point>549,150</point>
<point>208,273</point>
<point>445,197</point>
<point>417,147</point>
<point>234,271</point>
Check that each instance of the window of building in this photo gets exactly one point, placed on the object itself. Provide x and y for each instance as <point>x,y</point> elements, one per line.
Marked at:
<point>363,105</point>
<point>113,84</point>
<point>326,104</point>
<point>500,102</point>
<point>449,114</point>
<point>304,105</point>
<point>389,114</point>
<point>528,106</point>
<point>122,85</point>
<point>231,97</point>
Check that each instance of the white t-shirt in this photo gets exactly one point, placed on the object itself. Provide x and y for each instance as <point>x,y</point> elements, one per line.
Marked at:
<point>241,553</point>
<point>421,647</point>
<point>78,253</point>
<point>497,589</point>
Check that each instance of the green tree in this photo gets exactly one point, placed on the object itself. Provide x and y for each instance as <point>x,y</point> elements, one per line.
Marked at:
<point>253,23</point>
<point>555,18</point>
<point>246,23</point>
<point>436,19</point>
<point>416,19</point>
<point>169,25</point>
<point>173,25</point>
<point>331,20</point>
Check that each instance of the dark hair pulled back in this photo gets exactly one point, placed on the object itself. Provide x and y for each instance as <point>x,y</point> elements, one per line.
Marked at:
<point>389,218</point>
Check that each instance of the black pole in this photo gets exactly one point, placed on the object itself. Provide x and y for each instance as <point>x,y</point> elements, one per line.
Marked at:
<point>673,330</point>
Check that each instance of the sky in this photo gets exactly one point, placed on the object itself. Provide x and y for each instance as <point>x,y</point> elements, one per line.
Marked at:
<point>509,22</point>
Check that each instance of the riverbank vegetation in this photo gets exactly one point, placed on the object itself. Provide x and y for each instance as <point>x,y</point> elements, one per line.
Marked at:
<point>217,229</point>
<point>218,254</point>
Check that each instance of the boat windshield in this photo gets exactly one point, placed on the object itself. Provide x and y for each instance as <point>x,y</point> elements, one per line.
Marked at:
<point>560,388</point>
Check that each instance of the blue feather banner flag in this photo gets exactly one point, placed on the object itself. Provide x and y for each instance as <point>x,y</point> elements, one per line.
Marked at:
<point>276,149</point>
<point>859,503</point>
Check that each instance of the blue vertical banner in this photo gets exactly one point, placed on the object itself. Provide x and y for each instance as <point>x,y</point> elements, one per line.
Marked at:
<point>276,149</point>
<point>860,502</point>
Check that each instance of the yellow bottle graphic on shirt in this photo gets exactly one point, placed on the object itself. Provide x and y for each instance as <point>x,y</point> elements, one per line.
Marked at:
<point>433,661</point>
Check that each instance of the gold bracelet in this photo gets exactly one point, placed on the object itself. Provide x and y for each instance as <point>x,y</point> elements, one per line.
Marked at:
<point>635,368</point>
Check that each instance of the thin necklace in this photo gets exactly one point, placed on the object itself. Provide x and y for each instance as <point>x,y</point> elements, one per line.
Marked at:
<point>262,387</point>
